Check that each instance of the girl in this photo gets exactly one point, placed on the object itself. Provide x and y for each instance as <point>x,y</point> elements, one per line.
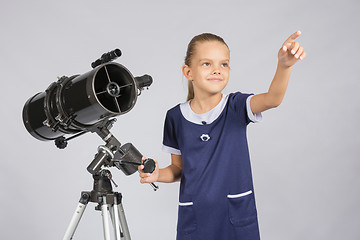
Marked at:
<point>206,137</point>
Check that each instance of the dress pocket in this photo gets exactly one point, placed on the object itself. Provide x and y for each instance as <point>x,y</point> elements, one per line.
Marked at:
<point>242,210</point>
<point>186,218</point>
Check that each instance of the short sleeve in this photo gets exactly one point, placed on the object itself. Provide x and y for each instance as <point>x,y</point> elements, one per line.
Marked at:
<point>240,103</point>
<point>253,117</point>
<point>170,143</point>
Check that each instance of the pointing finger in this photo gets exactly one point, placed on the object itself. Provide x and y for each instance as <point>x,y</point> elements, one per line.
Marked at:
<point>292,37</point>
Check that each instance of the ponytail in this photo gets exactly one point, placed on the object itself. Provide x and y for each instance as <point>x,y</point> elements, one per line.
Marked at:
<point>190,91</point>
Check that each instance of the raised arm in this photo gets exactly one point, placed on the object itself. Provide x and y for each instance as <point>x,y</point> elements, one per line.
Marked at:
<point>289,53</point>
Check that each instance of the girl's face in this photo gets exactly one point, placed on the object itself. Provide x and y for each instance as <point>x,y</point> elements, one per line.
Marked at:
<point>209,68</point>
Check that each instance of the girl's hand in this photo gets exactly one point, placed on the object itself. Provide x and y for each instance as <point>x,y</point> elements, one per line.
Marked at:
<point>291,51</point>
<point>149,177</point>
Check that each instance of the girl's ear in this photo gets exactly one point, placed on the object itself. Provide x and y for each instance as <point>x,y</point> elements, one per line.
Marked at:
<point>187,72</point>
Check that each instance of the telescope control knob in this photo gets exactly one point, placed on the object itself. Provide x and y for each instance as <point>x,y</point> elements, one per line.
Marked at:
<point>149,165</point>
<point>109,176</point>
<point>61,142</point>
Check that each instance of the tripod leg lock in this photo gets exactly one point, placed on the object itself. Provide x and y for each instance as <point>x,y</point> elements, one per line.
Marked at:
<point>85,198</point>
<point>118,197</point>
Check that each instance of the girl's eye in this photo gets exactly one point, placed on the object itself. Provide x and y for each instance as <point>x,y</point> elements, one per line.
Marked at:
<point>225,65</point>
<point>206,64</point>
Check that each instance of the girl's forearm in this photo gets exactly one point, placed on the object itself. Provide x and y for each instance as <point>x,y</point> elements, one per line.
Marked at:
<point>278,86</point>
<point>169,174</point>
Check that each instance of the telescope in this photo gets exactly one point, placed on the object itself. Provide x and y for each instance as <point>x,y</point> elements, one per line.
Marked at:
<point>90,102</point>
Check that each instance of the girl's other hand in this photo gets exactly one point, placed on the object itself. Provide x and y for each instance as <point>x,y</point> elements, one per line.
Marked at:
<point>291,51</point>
<point>148,177</point>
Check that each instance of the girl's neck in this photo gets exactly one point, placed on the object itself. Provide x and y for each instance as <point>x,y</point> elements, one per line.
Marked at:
<point>203,104</point>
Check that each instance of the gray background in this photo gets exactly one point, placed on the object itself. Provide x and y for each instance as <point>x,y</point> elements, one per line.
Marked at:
<point>305,154</point>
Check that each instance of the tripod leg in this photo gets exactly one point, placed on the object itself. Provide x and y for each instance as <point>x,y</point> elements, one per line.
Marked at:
<point>74,222</point>
<point>105,218</point>
<point>116,221</point>
<point>121,215</point>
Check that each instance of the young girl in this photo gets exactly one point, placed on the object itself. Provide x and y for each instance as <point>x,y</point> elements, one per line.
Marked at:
<point>206,137</point>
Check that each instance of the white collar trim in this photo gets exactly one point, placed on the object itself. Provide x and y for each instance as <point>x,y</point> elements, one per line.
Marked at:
<point>205,118</point>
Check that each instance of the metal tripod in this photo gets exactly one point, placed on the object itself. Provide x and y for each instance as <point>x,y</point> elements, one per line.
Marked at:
<point>125,158</point>
<point>110,204</point>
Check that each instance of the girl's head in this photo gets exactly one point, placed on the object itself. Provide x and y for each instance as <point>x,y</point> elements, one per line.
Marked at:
<point>206,64</point>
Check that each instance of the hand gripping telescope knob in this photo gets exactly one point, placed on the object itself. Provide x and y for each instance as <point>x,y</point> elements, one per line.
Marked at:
<point>149,164</point>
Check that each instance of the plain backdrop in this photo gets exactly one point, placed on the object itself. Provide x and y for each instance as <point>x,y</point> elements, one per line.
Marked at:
<point>305,154</point>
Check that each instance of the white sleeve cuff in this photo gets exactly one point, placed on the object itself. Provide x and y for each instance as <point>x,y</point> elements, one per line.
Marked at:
<point>171,150</point>
<point>253,117</point>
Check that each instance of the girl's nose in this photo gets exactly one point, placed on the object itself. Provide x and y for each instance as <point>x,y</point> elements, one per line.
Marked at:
<point>216,70</point>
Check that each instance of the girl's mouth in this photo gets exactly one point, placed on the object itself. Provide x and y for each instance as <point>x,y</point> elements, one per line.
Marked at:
<point>215,79</point>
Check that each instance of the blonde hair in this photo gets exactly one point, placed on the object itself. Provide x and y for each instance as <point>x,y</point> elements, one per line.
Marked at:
<point>204,37</point>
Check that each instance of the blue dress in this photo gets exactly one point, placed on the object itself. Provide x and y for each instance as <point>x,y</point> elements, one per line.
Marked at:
<point>216,200</point>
